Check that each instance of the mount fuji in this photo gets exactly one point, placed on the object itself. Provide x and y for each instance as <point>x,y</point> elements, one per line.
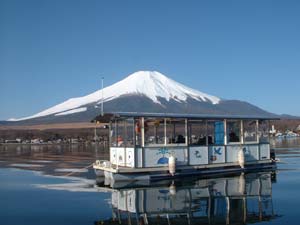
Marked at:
<point>143,91</point>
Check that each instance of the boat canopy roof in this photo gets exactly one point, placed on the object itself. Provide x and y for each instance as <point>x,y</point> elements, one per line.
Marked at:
<point>124,115</point>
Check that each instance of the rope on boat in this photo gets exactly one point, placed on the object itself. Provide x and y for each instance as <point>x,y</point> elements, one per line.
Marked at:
<point>69,174</point>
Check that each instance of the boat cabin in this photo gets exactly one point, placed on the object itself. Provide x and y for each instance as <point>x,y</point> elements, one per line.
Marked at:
<point>148,140</point>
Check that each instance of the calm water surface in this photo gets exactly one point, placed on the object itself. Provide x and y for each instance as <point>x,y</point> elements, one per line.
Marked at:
<point>56,185</point>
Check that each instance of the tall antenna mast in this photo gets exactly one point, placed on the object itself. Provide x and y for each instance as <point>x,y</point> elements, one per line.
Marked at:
<point>102,98</point>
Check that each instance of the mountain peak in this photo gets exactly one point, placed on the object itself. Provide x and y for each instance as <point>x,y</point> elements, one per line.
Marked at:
<point>147,75</point>
<point>152,84</point>
<point>155,85</point>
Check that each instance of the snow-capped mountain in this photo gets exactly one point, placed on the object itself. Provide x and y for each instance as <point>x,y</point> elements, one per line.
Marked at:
<point>144,91</point>
<point>151,84</point>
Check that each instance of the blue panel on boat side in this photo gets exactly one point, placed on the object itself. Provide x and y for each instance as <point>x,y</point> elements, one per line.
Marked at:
<point>219,133</point>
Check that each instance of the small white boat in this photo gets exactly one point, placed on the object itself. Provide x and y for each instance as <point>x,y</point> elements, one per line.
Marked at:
<point>154,146</point>
<point>291,134</point>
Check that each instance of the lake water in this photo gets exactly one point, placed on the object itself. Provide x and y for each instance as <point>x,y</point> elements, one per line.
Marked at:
<point>56,185</point>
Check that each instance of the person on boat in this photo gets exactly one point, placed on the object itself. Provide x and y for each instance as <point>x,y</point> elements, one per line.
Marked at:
<point>201,140</point>
<point>233,137</point>
<point>180,139</point>
<point>120,141</point>
<point>138,127</point>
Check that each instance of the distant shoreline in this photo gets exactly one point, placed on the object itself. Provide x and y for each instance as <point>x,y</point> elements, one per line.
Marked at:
<point>45,143</point>
<point>78,125</point>
<point>50,144</point>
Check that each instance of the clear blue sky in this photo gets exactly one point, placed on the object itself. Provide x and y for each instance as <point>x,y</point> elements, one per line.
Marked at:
<point>57,49</point>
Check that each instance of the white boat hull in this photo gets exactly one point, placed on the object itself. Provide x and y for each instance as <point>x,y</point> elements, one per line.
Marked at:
<point>155,174</point>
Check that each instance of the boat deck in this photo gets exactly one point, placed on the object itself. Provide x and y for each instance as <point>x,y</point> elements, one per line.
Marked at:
<point>128,170</point>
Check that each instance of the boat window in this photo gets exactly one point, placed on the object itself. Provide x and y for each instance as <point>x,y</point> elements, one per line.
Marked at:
<point>233,131</point>
<point>129,133</point>
<point>138,134</point>
<point>115,133</point>
<point>250,130</point>
<point>121,133</point>
<point>211,132</point>
<point>154,131</point>
<point>176,131</point>
<point>263,131</point>
<point>197,131</point>
<point>112,133</point>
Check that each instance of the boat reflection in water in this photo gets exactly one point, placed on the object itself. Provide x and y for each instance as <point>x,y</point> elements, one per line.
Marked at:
<point>245,198</point>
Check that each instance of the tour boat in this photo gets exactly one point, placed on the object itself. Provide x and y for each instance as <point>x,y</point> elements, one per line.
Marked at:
<point>155,146</point>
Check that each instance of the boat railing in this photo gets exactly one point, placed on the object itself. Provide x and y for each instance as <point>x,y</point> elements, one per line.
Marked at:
<point>157,156</point>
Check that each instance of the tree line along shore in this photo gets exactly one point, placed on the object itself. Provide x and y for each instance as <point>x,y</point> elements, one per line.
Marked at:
<point>54,134</point>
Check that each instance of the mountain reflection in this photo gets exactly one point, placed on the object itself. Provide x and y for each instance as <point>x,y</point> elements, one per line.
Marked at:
<point>241,199</point>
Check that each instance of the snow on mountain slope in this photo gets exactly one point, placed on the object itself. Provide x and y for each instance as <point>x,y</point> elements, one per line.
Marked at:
<point>72,111</point>
<point>152,84</point>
